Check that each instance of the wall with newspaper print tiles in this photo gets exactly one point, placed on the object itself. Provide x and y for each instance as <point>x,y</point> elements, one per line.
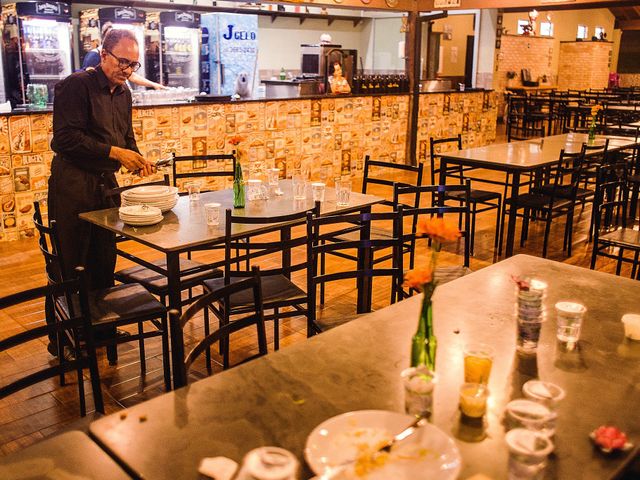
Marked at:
<point>326,133</point>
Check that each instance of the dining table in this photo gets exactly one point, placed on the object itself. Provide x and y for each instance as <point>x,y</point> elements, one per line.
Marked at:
<point>184,228</point>
<point>516,159</point>
<point>278,399</point>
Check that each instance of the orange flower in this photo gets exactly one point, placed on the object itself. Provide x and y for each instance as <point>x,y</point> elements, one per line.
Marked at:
<point>417,278</point>
<point>235,140</point>
<point>595,109</point>
<point>437,229</point>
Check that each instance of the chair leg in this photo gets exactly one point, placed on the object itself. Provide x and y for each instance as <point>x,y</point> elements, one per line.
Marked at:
<point>207,353</point>
<point>60,345</point>
<point>525,225</point>
<point>619,263</point>
<point>547,229</point>
<point>323,264</point>
<point>143,357</point>
<point>112,354</point>
<point>594,255</point>
<point>496,238</point>
<point>276,331</point>
<point>83,402</point>
<point>473,228</point>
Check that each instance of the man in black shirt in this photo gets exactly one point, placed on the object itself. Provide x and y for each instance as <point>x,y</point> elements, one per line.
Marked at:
<point>92,138</point>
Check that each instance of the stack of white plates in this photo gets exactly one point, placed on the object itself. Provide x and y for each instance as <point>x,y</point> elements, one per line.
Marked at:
<point>163,197</point>
<point>140,215</point>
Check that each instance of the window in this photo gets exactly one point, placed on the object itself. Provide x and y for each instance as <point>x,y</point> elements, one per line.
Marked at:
<point>546,29</point>
<point>521,24</point>
<point>583,32</point>
<point>600,32</point>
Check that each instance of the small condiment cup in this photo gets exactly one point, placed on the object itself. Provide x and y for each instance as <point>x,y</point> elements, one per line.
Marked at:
<point>528,452</point>
<point>631,323</point>
<point>547,393</point>
<point>531,415</point>
<point>212,213</point>
<point>473,399</point>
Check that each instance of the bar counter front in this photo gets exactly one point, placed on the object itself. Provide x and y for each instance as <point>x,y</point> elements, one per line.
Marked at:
<point>328,132</point>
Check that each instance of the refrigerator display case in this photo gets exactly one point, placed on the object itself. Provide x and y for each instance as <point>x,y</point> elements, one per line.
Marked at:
<point>173,49</point>
<point>93,21</point>
<point>232,50</point>
<point>37,47</point>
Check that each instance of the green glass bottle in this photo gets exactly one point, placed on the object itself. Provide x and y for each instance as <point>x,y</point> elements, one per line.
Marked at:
<point>238,187</point>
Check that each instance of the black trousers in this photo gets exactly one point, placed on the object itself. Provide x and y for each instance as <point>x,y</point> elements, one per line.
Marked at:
<point>73,191</point>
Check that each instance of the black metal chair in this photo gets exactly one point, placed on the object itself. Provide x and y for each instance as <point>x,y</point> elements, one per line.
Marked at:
<point>438,208</point>
<point>200,168</point>
<point>547,204</point>
<point>77,321</point>
<point>255,317</point>
<point>320,227</point>
<point>151,274</point>
<point>611,232</point>
<point>480,200</point>
<point>280,294</point>
<point>109,308</point>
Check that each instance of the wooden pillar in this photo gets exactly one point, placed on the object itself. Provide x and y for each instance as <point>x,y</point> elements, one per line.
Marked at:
<point>412,67</point>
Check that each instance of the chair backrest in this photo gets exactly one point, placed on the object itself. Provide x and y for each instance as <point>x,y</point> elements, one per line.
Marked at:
<point>389,172</point>
<point>113,192</point>
<point>181,362</point>
<point>570,165</point>
<point>611,198</point>
<point>239,250</point>
<point>435,153</point>
<point>79,320</point>
<point>521,133</point>
<point>320,229</point>
<point>48,244</point>
<point>439,194</point>
<point>200,169</point>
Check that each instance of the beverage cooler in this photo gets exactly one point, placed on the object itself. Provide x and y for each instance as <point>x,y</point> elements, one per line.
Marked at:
<point>176,63</point>
<point>126,18</point>
<point>232,50</point>
<point>37,47</point>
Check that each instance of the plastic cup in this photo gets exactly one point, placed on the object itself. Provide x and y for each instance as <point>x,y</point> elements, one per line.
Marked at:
<point>254,189</point>
<point>343,191</point>
<point>318,188</point>
<point>478,360</point>
<point>531,415</point>
<point>547,393</point>
<point>631,323</point>
<point>528,452</point>
<point>569,317</point>
<point>473,399</point>
<point>212,213</point>
<point>299,186</point>
<point>419,383</point>
<point>194,191</point>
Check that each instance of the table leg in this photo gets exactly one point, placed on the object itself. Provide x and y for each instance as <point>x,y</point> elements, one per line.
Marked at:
<point>173,277</point>
<point>365,262</point>
<point>511,229</point>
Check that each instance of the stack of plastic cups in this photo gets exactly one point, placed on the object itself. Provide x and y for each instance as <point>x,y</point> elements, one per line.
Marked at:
<point>531,294</point>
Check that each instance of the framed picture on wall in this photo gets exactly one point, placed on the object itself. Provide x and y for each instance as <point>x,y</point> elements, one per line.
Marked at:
<point>499,20</point>
<point>499,33</point>
<point>498,44</point>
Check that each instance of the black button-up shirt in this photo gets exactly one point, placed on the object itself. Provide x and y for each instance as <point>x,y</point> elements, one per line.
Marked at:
<point>88,120</point>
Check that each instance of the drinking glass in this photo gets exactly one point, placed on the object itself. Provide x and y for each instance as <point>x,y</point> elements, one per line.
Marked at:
<point>212,213</point>
<point>478,360</point>
<point>194,191</point>
<point>273,177</point>
<point>418,390</point>
<point>473,399</point>
<point>299,185</point>
<point>254,189</point>
<point>343,191</point>
<point>569,316</point>
<point>318,188</point>
<point>531,294</point>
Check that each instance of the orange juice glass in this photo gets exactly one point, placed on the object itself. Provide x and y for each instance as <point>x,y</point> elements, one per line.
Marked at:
<point>478,360</point>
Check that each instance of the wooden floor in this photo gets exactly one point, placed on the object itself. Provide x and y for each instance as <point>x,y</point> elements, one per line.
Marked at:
<point>42,410</point>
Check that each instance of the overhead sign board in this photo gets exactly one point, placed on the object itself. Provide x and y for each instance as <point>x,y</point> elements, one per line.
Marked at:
<point>446,3</point>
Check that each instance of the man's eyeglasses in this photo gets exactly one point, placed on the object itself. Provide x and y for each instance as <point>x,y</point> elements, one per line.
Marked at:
<point>124,63</point>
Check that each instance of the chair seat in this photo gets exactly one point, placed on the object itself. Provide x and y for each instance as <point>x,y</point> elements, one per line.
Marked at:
<point>564,191</point>
<point>476,195</point>
<point>117,305</point>
<point>537,201</point>
<point>275,289</point>
<point>158,283</point>
<point>625,237</point>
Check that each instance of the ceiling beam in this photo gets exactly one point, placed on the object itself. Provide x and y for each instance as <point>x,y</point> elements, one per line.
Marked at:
<point>628,24</point>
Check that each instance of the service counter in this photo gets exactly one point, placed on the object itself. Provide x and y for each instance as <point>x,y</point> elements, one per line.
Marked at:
<point>310,132</point>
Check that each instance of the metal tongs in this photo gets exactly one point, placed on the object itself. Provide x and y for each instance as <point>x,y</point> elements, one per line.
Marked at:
<point>163,162</point>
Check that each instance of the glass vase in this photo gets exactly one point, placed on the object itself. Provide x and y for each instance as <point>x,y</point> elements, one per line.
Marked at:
<point>238,187</point>
<point>424,343</point>
<point>592,134</point>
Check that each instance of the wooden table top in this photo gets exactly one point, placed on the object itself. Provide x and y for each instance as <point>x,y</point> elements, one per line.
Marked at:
<point>531,154</point>
<point>278,399</point>
<point>185,226</point>
<point>71,455</point>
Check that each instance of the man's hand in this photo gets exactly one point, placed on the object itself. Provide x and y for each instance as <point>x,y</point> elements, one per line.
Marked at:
<point>132,161</point>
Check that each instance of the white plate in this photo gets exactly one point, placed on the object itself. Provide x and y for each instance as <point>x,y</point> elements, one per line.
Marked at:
<point>142,223</point>
<point>140,211</point>
<point>427,454</point>
<point>150,191</point>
